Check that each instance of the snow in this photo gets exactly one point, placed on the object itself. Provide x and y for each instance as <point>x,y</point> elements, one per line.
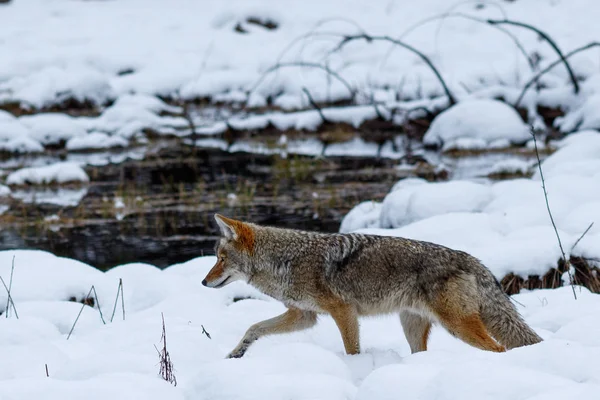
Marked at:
<point>476,124</point>
<point>584,117</point>
<point>96,140</point>
<point>192,51</point>
<point>61,172</point>
<point>118,360</point>
<point>505,223</point>
<point>52,128</point>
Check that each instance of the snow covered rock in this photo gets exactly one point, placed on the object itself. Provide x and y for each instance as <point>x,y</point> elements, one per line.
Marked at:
<point>475,124</point>
<point>62,172</point>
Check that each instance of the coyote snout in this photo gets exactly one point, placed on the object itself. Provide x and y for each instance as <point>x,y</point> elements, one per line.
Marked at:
<point>349,275</point>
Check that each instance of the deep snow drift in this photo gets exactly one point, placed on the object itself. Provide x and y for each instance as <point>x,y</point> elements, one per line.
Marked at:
<point>118,360</point>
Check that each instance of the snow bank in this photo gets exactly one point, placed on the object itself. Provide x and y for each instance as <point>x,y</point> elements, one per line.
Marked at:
<point>50,61</point>
<point>62,172</point>
<point>477,124</point>
<point>118,360</point>
<point>505,224</point>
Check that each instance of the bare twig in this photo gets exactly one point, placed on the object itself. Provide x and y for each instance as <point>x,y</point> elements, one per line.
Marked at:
<point>205,332</point>
<point>368,38</point>
<point>314,104</point>
<point>119,293</point>
<point>537,76</point>
<point>564,256</point>
<point>582,235</point>
<point>548,39</point>
<point>9,298</point>
<point>166,365</point>
<point>92,289</point>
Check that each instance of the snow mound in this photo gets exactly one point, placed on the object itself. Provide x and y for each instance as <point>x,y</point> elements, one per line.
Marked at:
<point>364,215</point>
<point>416,202</point>
<point>62,172</point>
<point>505,223</point>
<point>476,124</point>
<point>584,117</point>
<point>96,140</point>
<point>117,359</point>
<point>52,128</point>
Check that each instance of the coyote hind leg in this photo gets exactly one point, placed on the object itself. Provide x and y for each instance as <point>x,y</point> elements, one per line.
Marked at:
<point>416,329</point>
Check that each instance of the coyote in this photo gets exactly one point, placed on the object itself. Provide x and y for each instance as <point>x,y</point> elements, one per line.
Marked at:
<point>352,275</point>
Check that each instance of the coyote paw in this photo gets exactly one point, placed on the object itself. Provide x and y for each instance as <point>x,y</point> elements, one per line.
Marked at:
<point>237,353</point>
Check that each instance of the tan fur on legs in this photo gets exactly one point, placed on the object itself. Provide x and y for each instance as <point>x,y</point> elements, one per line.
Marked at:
<point>457,309</point>
<point>471,330</point>
<point>290,321</point>
<point>346,319</point>
<point>416,329</point>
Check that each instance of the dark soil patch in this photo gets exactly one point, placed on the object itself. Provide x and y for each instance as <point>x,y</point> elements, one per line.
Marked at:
<point>586,274</point>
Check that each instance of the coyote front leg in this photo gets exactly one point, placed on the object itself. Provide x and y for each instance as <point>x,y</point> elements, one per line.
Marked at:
<point>292,320</point>
<point>346,319</point>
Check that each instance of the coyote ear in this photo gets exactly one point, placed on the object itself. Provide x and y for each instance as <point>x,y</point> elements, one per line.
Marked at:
<point>227,227</point>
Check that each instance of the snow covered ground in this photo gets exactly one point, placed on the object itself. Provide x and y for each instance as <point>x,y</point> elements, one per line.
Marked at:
<point>130,51</point>
<point>117,360</point>
<point>505,223</point>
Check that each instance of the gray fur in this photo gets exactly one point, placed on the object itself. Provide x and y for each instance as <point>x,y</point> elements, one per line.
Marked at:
<point>375,275</point>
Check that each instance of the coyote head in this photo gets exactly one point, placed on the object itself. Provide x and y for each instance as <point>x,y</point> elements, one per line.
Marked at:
<point>234,251</point>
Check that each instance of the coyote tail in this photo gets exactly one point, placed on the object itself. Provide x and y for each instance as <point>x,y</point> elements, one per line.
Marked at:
<point>503,321</point>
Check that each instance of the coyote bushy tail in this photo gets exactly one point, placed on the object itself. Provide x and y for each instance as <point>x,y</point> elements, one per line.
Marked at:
<point>502,320</point>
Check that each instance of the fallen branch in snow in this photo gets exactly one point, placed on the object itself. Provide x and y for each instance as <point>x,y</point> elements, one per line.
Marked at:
<point>166,365</point>
<point>564,256</point>
<point>8,298</point>
<point>369,38</point>
<point>537,76</point>
<point>92,289</point>
<point>119,293</point>
<point>548,39</point>
<point>451,14</point>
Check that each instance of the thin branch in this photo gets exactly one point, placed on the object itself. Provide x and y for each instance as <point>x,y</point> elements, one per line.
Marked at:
<point>9,298</point>
<point>205,332</point>
<point>547,38</point>
<point>93,289</point>
<point>564,256</point>
<point>537,76</point>
<point>78,315</point>
<point>12,270</point>
<point>385,38</point>
<point>314,105</point>
<point>119,293</point>
<point>166,365</point>
<point>582,235</point>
